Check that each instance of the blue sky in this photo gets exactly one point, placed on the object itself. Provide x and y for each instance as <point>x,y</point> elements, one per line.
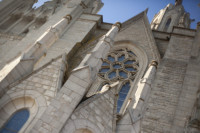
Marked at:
<point>122,10</point>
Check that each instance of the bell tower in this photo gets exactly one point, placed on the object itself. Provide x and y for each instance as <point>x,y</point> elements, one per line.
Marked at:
<point>171,15</point>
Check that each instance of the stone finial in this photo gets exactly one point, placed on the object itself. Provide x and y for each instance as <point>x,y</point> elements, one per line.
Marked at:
<point>178,2</point>
<point>118,24</point>
<point>68,16</point>
<point>153,63</point>
<point>198,25</point>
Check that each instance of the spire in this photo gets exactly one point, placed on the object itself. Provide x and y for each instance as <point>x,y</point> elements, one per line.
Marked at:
<point>178,2</point>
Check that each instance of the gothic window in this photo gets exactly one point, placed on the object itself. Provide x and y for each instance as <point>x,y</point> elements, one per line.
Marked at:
<point>16,122</point>
<point>120,65</point>
<point>122,95</point>
<point>167,24</point>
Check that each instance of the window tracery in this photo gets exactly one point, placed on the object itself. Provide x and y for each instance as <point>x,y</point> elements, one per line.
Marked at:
<point>120,65</point>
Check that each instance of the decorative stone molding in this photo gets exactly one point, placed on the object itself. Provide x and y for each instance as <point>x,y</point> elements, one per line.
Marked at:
<point>55,31</point>
<point>154,63</point>
<point>144,89</point>
<point>198,25</point>
<point>196,42</point>
<point>178,2</point>
<point>118,24</point>
<point>68,17</point>
<point>124,59</point>
<point>107,40</point>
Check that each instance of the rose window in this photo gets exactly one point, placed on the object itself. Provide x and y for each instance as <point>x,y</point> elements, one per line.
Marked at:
<point>120,65</point>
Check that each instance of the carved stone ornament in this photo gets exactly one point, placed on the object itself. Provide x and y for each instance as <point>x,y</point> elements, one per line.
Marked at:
<point>178,2</point>
<point>118,24</point>
<point>121,64</point>
<point>198,24</point>
<point>68,16</point>
<point>154,63</point>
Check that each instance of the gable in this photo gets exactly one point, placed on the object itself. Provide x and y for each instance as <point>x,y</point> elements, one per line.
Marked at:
<point>137,30</point>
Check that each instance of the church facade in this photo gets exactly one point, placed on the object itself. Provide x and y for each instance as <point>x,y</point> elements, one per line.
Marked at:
<point>64,70</point>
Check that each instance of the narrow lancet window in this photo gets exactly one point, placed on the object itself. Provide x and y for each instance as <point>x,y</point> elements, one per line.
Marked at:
<point>16,122</point>
<point>122,95</point>
<point>120,66</point>
<point>167,24</point>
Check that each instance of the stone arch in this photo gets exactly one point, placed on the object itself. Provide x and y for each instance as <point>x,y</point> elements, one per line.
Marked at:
<point>140,53</point>
<point>143,62</point>
<point>75,125</point>
<point>31,100</point>
<point>141,57</point>
<point>173,14</point>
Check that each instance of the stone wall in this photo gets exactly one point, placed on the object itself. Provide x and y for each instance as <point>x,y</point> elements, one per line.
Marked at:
<point>174,90</point>
<point>96,114</point>
<point>33,92</point>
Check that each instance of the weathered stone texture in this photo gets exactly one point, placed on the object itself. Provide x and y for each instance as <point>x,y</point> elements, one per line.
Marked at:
<point>51,57</point>
<point>172,97</point>
<point>94,114</point>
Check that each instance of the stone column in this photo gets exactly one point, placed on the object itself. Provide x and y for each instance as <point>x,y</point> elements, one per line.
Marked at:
<point>143,92</point>
<point>72,92</point>
<point>48,38</point>
<point>6,19</point>
<point>51,35</point>
<point>27,26</point>
<point>14,24</point>
<point>94,59</point>
<point>141,97</point>
<point>196,43</point>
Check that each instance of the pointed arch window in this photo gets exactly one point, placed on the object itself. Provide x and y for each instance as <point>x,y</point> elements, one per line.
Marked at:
<point>122,95</point>
<point>121,65</point>
<point>167,24</point>
<point>16,122</point>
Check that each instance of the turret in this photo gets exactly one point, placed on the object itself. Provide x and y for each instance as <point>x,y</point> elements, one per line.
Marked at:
<point>171,15</point>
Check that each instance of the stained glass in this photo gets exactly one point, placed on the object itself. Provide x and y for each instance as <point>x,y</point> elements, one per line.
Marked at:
<point>121,58</point>
<point>123,74</point>
<point>105,64</point>
<point>16,122</point>
<point>112,75</point>
<point>130,68</point>
<point>103,70</point>
<point>122,95</point>
<point>119,63</point>
<point>110,58</point>
<point>116,66</point>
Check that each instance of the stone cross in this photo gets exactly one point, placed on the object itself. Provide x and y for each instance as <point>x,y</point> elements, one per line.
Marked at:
<point>178,2</point>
